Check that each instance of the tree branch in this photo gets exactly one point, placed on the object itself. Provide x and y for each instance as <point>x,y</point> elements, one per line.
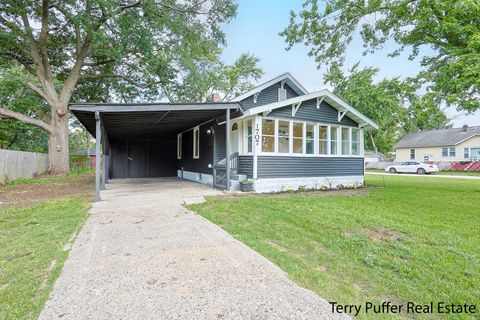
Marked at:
<point>26,119</point>
<point>42,40</point>
<point>98,63</point>
<point>124,78</point>
<point>39,91</point>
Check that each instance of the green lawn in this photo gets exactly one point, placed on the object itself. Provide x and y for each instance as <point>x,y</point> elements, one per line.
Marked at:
<point>33,240</point>
<point>400,239</point>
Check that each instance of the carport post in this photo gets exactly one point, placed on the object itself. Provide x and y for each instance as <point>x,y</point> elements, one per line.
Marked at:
<point>98,138</point>
<point>104,162</point>
<point>227,158</point>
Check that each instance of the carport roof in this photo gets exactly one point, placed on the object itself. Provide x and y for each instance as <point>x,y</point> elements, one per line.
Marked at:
<point>148,120</point>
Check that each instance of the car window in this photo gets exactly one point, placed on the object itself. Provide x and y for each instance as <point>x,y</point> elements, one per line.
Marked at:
<point>405,163</point>
<point>414,163</point>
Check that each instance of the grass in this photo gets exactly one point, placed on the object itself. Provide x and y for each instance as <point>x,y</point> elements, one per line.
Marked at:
<point>403,239</point>
<point>442,172</point>
<point>33,239</point>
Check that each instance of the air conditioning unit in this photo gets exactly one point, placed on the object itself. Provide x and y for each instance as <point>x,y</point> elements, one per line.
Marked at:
<point>282,94</point>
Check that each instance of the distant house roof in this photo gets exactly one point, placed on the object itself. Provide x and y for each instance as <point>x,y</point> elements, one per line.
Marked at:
<point>437,138</point>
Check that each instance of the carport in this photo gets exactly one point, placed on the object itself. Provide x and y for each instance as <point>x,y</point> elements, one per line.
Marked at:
<point>139,140</point>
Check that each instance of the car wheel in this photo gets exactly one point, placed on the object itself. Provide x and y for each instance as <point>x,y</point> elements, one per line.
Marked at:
<point>392,170</point>
<point>421,171</point>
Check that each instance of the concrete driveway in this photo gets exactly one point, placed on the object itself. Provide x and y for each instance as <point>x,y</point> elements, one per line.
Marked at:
<point>141,255</point>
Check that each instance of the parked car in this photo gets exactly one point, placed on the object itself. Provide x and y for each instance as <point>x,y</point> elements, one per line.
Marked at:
<point>412,167</point>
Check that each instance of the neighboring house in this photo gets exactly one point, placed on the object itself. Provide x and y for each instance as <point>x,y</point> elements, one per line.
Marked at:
<point>372,157</point>
<point>454,144</point>
<point>277,135</point>
<point>83,152</point>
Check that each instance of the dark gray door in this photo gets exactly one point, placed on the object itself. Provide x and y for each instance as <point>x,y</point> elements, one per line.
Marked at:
<point>137,154</point>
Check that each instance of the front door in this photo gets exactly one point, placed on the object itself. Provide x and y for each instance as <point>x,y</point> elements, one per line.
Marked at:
<point>137,157</point>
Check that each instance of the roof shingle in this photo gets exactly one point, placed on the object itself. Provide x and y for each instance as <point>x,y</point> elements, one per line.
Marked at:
<point>436,138</point>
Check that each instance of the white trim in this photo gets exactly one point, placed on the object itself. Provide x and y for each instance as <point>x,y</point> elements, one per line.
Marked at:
<point>295,108</point>
<point>295,183</point>
<point>319,101</point>
<point>256,90</point>
<point>196,143</point>
<point>473,135</point>
<point>255,96</point>
<point>329,97</point>
<point>196,176</point>
<point>179,146</point>
<point>341,114</point>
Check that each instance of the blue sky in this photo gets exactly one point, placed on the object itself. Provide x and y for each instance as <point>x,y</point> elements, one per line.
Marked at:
<point>255,30</point>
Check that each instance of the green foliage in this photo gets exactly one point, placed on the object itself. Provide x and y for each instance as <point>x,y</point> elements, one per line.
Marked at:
<point>209,76</point>
<point>450,27</point>
<point>393,104</point>
<point>15,135</point>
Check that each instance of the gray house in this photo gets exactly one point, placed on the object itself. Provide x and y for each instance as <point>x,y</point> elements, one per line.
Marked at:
<point>278,135</point>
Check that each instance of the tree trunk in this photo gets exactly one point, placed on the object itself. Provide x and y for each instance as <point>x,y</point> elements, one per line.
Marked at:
<point>58,151</point>
<point>374,146</point>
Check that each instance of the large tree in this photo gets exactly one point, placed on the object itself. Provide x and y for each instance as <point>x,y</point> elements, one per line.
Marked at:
<point>450,27</point>
<point>64,45</point>
<point>394,104</point>
<point>205,78</point>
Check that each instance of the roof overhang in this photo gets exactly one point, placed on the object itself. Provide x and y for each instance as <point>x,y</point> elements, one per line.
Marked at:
<point>328,97</point>
<point>148,121</point>
<point>286,77</point>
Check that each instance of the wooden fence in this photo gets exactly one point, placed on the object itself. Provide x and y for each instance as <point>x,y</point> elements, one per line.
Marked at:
<point>20,164</point>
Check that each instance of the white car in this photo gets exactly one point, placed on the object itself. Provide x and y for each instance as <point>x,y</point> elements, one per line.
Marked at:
<point>412,167</point>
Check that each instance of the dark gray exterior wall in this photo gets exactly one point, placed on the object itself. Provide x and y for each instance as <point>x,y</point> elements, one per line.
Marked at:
<point>291,167</point>
<point>308,111</point>
<point>220,145</point>
<point>269,95</point>
<point>245,165</point>
<point>199,165</point>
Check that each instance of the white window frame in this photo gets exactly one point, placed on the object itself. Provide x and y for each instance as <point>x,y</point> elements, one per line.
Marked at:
<point>246,137</point>
<point>275,136</point>
<point>357,141</point>
<point>316,125</point>
<point>196,142</point>
<point>466,151</point>
<point>450,154</point>
<point>302,138</point>
<point>312,139</point>
<point>414,153</point>
<point>179,146</point>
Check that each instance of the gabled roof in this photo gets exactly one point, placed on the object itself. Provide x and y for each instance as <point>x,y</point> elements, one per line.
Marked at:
<point>289,79</point>
<point>328,97</point>
<point>437,138</point>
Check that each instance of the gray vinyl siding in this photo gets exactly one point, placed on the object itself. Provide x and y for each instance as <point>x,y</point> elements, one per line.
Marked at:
<point>220,145</point>
<point>245,165</point>
<point>308,111</point>
<point>291,167</point>
<point>269,95</point>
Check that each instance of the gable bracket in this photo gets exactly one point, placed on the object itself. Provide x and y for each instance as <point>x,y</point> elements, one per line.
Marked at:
<point>282,83</point>
<point>266,113</point>
<point>362,125</point>
<point>255,97</point>
<point>295,108</point>
<point>319,101</point>
<point>341,114</point>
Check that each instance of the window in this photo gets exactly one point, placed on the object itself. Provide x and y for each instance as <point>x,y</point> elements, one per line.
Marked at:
<point>196,143</point>
<point>355,142</point>
<point>297,137</point>
<point>268,135</point>
<point>333,140</point>
<point>345,141</point>
<point>444,152</point>
<point>466,153</point>
<point>453,151</point>
<point>412,154</point>
<point>179,146</point>
<point>283,136</point>
<point>323,140</point>
<point>249,134</point>
<point>426,158</point>
<point>310,139</point>
<point>448,152</point>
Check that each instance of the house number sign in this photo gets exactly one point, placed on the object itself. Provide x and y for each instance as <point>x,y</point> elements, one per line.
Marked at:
<point>257,134</point>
